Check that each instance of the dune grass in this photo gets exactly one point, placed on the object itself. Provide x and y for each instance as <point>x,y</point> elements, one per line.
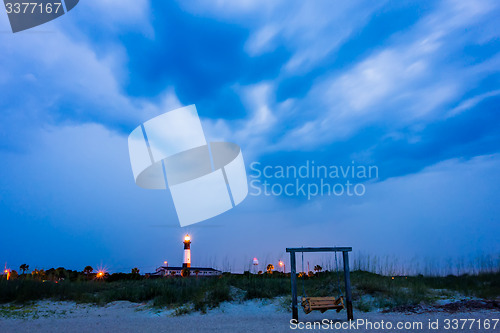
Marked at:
<point>370,290</point>
<point>163,292</point>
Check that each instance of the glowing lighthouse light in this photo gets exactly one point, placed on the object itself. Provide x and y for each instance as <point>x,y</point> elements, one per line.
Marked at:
<point>187,252</point>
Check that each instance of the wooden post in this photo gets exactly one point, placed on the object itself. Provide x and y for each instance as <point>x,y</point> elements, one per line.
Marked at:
<point>293,275</point>
<point>347,279</point>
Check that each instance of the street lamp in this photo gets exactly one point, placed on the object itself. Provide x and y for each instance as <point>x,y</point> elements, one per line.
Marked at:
<point>282,264</point>
<point>165,271</point>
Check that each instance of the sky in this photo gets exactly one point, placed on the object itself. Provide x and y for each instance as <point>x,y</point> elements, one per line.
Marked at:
<point>411,88</point>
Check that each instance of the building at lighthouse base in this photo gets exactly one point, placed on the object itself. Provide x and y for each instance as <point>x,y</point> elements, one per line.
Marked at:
<point>194,271</point>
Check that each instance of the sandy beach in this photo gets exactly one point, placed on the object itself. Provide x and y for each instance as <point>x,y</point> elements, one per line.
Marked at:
<point>249,316</point>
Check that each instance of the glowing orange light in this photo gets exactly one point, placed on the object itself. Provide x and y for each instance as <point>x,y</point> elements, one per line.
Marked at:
<point>281,263</point>
<point>165,262</point>
<point>187,238</point>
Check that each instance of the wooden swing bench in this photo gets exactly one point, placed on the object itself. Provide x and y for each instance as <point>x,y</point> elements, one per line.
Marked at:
<point>322,303</point>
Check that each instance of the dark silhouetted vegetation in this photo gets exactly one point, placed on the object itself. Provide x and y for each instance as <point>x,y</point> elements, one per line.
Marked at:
<point>370,290</point>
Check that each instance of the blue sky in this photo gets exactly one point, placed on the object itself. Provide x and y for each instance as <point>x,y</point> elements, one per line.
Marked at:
<point>411,87</point>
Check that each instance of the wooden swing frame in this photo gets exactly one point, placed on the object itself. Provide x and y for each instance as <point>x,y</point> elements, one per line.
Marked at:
<point>321,303</point>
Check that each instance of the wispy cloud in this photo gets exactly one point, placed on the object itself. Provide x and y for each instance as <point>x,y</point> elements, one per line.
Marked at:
<point>414,79</point>
<point>471,102</point>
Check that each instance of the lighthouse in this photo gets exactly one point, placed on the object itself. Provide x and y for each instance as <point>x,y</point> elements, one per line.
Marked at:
<point>187,252</point>
<point>182,271</point>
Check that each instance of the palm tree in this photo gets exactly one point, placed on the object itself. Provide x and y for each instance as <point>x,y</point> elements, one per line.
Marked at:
<point>60,273</point>
<point>87,270</point>
<point>13,275</point>
<point>24,267</point>
<point>185,272</point>
<point>38,274</point>
<point>135,270</point>
<point>318,268</point>
<point>270,268</point>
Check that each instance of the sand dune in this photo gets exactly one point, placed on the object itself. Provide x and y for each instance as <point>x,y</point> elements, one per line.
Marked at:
<point>250,316</point>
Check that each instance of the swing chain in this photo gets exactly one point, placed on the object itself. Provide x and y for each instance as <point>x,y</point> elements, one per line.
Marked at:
<point>338,275</point>
<point>303,277</point>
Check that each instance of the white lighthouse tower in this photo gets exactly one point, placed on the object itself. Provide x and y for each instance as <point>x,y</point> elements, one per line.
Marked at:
<point>187,252</point>
<point>255,265</point>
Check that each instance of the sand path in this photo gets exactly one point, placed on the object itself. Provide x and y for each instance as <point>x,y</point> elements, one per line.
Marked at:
<point>250,316</point>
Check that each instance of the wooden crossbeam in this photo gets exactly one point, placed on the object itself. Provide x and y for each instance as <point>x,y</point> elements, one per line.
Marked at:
<point>319,249</point>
